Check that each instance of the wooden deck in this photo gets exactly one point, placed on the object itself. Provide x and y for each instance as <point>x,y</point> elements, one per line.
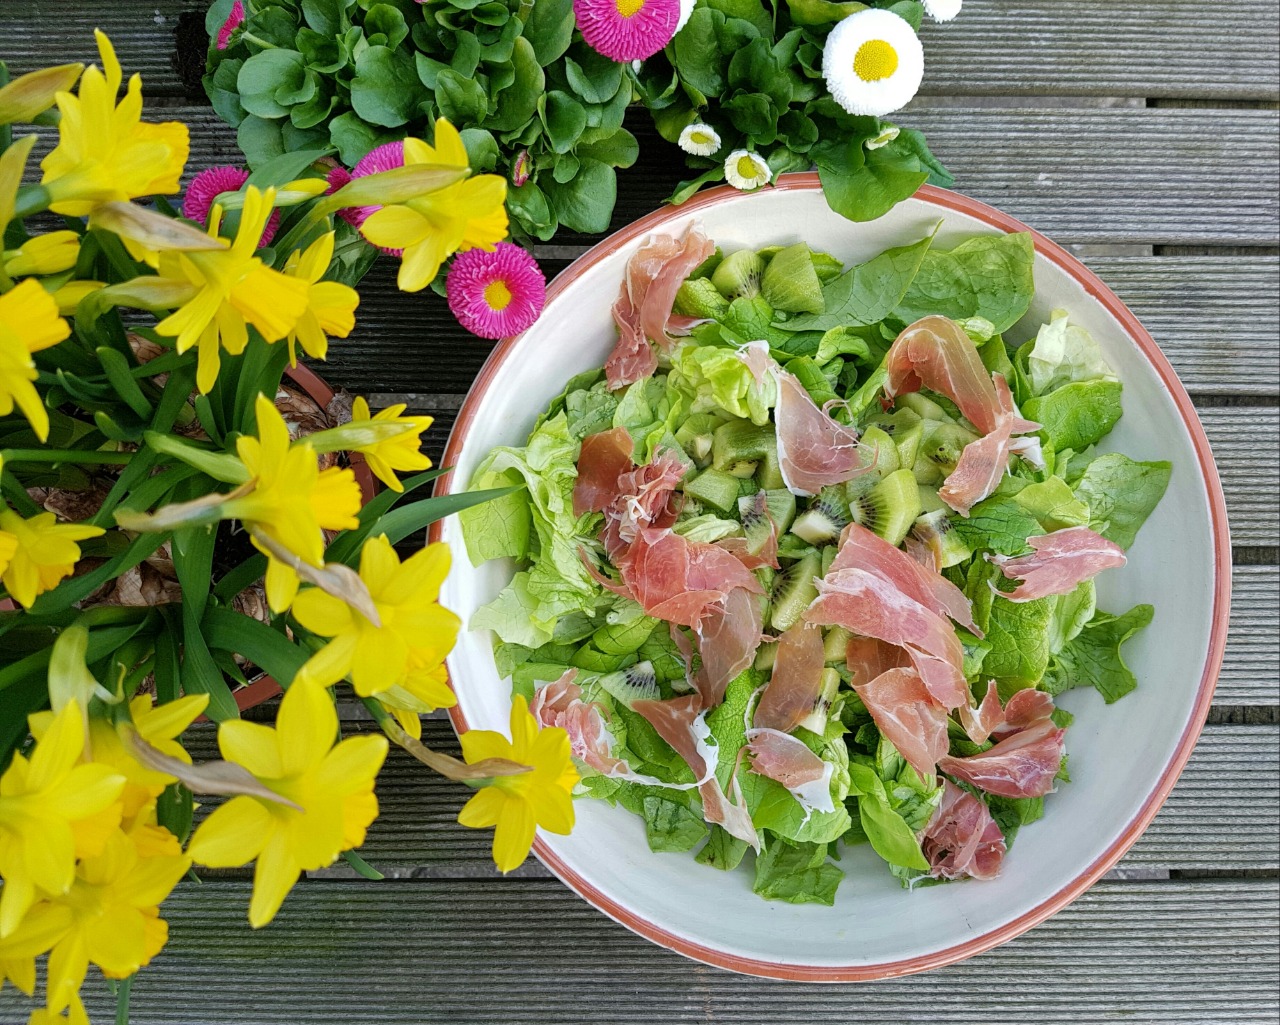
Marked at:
<point>1146,137</point>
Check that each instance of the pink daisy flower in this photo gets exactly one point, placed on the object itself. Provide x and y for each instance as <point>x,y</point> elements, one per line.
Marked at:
<point>233,22</point>
<point>386,157</point>
<point>627,30</point>
<point>498,294</point>
<point>205,188</point>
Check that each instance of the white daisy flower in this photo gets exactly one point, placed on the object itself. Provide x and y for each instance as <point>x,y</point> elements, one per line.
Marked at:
<point>699,139</point>
<point>687,6</point>
<point>746,170</point>
<point>873,63</point>
<point>942,10</point>
<point>887,134</point>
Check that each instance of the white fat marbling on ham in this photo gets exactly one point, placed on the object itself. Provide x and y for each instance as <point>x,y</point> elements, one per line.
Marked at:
<point>788,760</point>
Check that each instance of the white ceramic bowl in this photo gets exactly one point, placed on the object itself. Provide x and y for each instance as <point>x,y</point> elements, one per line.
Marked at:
<point>1124,758</point>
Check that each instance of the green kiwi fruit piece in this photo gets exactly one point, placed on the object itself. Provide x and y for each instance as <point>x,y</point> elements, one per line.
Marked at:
<point>793,592</point>
<point>890,508</point>
<point>738,275</point>
<point>790,284</point>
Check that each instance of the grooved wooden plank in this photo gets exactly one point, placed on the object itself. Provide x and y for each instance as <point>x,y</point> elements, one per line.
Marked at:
<point>1223,815</point>
<point>1251,668</point>
<point>1244,447</point>
<point>1212,316</point>
<point>382,953</point>
<point>1058,47</point>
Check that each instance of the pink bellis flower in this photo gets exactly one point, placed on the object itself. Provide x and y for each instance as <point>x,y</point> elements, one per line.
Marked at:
<point>212,182</point>
<point>627,30</point>
<point>497,294</point>
<point>234,20</point>
<point>386,157</point>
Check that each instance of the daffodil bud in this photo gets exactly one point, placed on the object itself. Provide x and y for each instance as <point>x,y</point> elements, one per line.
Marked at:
<point>30,95</point>
<point>152,230</point>
<point>399,185</point>
<point>45,254</point>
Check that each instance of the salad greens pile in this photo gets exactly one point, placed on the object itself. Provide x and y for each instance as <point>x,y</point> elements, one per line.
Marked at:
<point>831,327</point>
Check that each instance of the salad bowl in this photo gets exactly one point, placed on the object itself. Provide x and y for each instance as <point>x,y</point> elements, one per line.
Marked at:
<point>1124,758</point>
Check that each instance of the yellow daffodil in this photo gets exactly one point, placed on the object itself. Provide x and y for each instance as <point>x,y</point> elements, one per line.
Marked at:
<point>403,452</point>
<point>106,152</point>
<point>518,804</point>
<point>421,692</point>
<point>76,1015</point>
<point>45,254</point>
<point>330,784</point>
<point>429,229</point>
<point>50,812</point>
<point>158,725</point>
<point>331,306</point>
<point>115,918</point>
<point>234,289</point>
<point>29,322</point>
<point>39,930</point>
<point>70,295</point>
<point>44,551</point>
<point>292,499</point>
<point>415,632</point>
<point>30,95</point>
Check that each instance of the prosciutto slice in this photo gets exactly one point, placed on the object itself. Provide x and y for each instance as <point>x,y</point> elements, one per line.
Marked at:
<point>604,458</point>
<point>990,717</point>
<point>963,839</point>
<point>678,580</point>
<point>678,721</point>
<point>642,311</point>
<point>788,760</point>
<point>796,681</point>
<point>645,497</point>
<point>560,704</point>
<point>1061,561</point>
<point>935,353</point>
<point>984,462</point>
<point>868,658</point>
<point>728,636</point>
<point>862,549</point>
<point>872,606</point>
<point>907,715</point>
<point>813,449</point>
<point>1024,764</point>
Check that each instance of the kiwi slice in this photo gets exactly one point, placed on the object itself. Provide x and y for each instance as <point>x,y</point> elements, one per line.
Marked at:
<point>929,500</point>
<point>738,275</point>
<point>923,407</point>
<point>782,507</point>
<point>822,522</point>
<point>698,297</point>
<point>637,682</point>
<point>816,720</point>
<point>739,445</point>
<point>829,553</point>
<point>766,656</point>
<point>793,592</point>
<point>890,508</point>
<point>906,429</point>
<point>935,530</point>
<point>835,645</point>
<point>791,547</point>
<point>790,283</point>
<point>880,454</point>
<point>753,510</point>
<point>769,472</point>
<point>939,451</point>
<point>695,436</point>
<point>716,488</point>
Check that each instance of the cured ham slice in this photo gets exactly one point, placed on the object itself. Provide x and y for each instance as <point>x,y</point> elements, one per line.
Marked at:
<point>796,681</point>
<point>1024,708</point>
<point>963,839</point>
<point>984,462</point>
<point>604,458</point>
<point>860,548</point>
<point>728,636</point>
<point>872,606</point>
<point>678,580</point>
<point>1024,764</point>
<point>645,496</point>
<point>788,760</point>
<point>560,704</point>
<point>678,721</point>
<point>905,712</point>
<point>642,311</point>
<point>813,449</point>
<point>868,658</point>
<point>935,353</point>
<point>1061,562</point>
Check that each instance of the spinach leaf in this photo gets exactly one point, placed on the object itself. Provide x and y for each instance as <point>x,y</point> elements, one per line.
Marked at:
<point>989,276</point>
<point>1093,658</point>
<point>1121,494</point>
<point>798,874</point>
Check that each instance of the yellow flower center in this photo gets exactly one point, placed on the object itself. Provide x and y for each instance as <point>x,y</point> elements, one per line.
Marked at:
<point>629,8</point>
<point>875,60</point>
<point>700,138</point>
<point>747,167</point>
<point>497,295</point>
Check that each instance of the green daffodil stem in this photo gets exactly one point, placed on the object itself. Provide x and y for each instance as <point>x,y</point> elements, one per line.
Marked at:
<point>123,987</point>
<point>451,768</point>
<point>64,455</point>
<point>361,866</point>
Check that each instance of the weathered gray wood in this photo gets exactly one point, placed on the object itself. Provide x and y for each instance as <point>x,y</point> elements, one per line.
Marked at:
<point>1251,669</point>
<point>1223,815</point>
<point>525,951</point>
<point>1243,441</point>
<point>1056,47</point>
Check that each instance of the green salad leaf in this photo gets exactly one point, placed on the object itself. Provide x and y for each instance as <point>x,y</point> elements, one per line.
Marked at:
<point>989,276</point>
<point>1053,504</point>
<point>719,380</point>
<point>1093,657</point>
<point>888,832</point>
<point>1121,493</point>
<point>1063,354</point>
<point>796,873</point>
<point>1076,415</point>
<point>722,850</point>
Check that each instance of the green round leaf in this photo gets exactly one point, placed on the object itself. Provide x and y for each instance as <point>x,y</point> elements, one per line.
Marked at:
<point>353,138</point>
<point>386,89</point>
<point>549,28</point>
<point>461,100</point>
<point>586,203</point>
<point>482,149</point>
<point>593,77</point>
<point>266,74</point>
<point>517,103</point>
<point>528,205</point>
<point>385,21</point>
<point>564,120</point>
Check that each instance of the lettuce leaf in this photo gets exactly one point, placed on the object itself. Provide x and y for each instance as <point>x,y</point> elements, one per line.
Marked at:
<point>500,528</point>
<point>999,524</point>
<point>888,832</point>
<point>722,850</point>
<point>590,410</point>
<point>1093,658</point>
<point>718,379</point>
<point>1076,415</point>
<point>707,527</point>
<point>1053,504</point>
<point>727,721</point>
<point>773,807</point>
<point>1018,633</point>
<point>1064,354</point>
<point>988,276</point>
<point>1121,494</point>
<point>651,410</point>
<point>796,873</point>
<point>1070,614</point>
<point>513,615</point>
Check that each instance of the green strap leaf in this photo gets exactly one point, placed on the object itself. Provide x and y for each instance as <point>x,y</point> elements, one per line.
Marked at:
<point>269,649</point>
